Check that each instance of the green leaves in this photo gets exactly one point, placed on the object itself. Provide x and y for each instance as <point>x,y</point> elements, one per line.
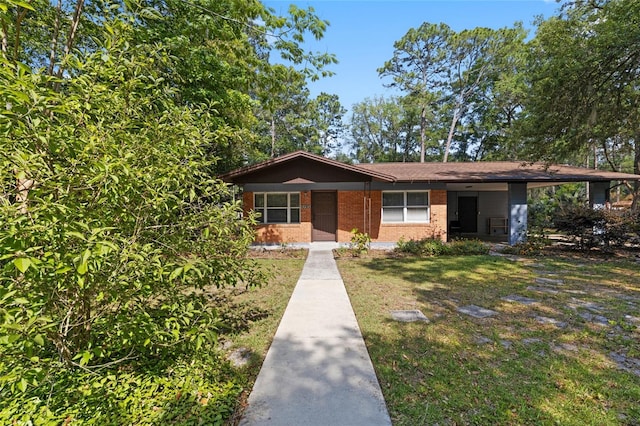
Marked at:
<point>6,4</point>
<point>114,228</point>
<point>121,222</point>
<point>450,77</point>
<point>583,68</point>
<point>22,264</point>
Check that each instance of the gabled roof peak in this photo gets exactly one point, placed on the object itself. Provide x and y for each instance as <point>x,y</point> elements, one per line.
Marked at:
<point>297,155</point>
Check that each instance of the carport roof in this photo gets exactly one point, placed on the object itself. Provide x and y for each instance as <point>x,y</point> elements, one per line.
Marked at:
<point>493,171</point>
<point>468,172</point>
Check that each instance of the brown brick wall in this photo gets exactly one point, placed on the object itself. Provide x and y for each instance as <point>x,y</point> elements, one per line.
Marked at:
<point>284,233</point>
<point>351,214</point>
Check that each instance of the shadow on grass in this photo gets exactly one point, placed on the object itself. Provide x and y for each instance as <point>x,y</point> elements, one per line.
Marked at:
<point>443,377</point>
<point>509,369</point>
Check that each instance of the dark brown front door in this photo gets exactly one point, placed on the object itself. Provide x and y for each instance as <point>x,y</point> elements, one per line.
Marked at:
<point>323,210</point>
<point>468,214</point>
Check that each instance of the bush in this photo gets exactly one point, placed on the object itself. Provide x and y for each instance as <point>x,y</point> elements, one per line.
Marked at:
<point>423,247</point>
<point>534,245</point>
<point>468,247</point>
<point>589,228</point>
<point>190,390</point>
<point>360,243</point>
<point>435,247</point>
<point>112,224</point>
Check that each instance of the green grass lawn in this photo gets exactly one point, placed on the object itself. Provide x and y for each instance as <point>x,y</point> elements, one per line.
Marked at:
<point>254,314</point>
<point>571,358</point>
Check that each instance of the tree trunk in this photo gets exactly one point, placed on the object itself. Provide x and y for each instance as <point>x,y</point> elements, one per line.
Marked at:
<point>447,147</point>
<point>423,130</point>
<point>23,186</point>
<point>273,137</point>
<point>635,205</point>
<point>70,38</point>
<point>16,45</point>
<point>54,39</point>
<point>4,41</point>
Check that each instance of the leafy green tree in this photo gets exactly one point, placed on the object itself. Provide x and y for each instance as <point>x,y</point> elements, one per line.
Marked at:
<point>584,66</point>
<point>111,219</point>
<point>480,59</point>
<point>283,100</point>
<point>383,130</point>
<point>224,51</point>
<point>418,67</point>
<point>288,118</point>
<point>114,118</point>
<point>492,110</point>
<point>457,77</point>
<point>325,121</point>
<point>291,121</point>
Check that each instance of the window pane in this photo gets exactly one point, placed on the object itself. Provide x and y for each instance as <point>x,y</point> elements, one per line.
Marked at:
<point>295,215</point>
<point>392,215</point>
<point>393,199</point>
<point>277,215</point>
<point>294,199</point>
<point>417,215</point>
<point>260,215</point>
<point>259,200</point>
<point>276,200</point>
<point>417,198</point>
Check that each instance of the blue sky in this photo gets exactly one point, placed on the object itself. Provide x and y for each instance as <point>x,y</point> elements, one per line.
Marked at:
<point>361,33</point>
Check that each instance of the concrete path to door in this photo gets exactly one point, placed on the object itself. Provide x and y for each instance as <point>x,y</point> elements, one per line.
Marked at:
<point>317,370</point>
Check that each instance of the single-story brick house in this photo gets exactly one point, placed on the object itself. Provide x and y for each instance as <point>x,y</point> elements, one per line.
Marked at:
<point>302,197</point>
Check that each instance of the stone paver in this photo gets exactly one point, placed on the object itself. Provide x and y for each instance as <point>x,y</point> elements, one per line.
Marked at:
<point>590,306</point>
<point>482,340</point>
<point>551,281</point>
<point>514,298</point>
<point>412,315</point>
<point>595,319</point>
<point>631,365</point>
<point>551,321</point>
<point>540,289</point>
<point>477,311</point>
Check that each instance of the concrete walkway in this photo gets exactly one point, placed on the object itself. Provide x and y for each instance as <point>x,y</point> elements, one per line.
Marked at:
<point>317,370</point>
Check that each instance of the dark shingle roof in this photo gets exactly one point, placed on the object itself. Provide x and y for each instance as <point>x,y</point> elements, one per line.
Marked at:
<point>492,171</point>
<point>481,171</point>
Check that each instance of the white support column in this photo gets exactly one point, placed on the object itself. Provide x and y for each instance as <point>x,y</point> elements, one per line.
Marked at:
<point>598,200</point>
<point>517,213</point>
<point>599,194</point>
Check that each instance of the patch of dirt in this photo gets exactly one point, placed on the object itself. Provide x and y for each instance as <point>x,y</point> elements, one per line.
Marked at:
<point>556,250</point>
<point>277,253</point>
<point>370,254</point>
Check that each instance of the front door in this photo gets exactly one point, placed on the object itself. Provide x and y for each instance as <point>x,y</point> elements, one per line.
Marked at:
<point>468,214</point>
<point>323,211</point>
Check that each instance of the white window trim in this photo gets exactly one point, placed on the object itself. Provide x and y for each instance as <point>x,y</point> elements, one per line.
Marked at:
<point>265,209</point>
<point>405,207</point>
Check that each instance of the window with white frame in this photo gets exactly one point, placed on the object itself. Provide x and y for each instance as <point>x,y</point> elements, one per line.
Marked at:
<point>277,207</point>
<point>405,206</point>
